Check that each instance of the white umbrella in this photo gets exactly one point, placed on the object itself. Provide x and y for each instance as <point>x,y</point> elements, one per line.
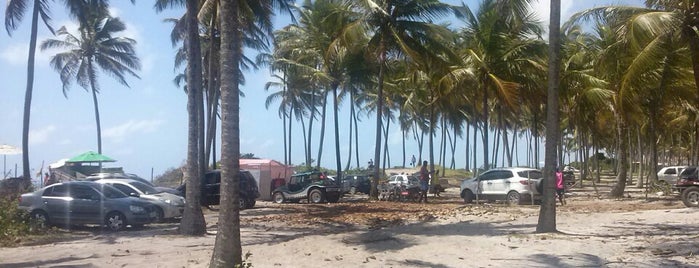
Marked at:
<point>4,151</point>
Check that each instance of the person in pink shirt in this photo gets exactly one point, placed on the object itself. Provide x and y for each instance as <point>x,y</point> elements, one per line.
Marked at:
<point>560,188</point>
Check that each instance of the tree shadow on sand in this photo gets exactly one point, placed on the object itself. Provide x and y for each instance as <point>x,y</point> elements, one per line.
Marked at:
<point>52,263</point>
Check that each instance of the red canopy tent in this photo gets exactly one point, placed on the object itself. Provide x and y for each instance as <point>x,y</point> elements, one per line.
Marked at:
<point>265,171</point>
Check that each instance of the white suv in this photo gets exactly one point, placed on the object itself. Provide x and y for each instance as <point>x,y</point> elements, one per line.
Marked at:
<point>670,174</point>
<point>511,184</point>
<point>403,179</point>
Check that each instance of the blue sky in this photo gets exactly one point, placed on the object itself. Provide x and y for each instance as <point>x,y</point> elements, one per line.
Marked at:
<point>144,127</point>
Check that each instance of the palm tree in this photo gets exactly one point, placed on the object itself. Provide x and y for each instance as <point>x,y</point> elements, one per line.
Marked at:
<point>96,48</point>
<point>193,222</point>
<point>237,17</point>
<point>398,25</point>
<point>14,13</point>
<point>547,213</point>
<point>500,44</point>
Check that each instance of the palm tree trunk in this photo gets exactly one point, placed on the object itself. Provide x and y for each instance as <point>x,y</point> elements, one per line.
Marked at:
<point>467,145</point>
<point>694,49</point>
<point>97,113</point>
<point>338,160</point>
<point>26,171</point>
<point>475,147</point>
<point>484,130</point>
<point>622,160</point>
<point>349,156</point>
<point>322,130</point>
<point>356,137</point>
<point>547,212</point>
<point>379,114</point>
<point>291,120</point>
<point>227,248</point>
<point>192,222</point>
<point>639,182</point>
<point>212,96</point>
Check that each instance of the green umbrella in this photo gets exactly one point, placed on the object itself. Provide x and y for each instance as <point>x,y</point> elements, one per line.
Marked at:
<point>90,157</point>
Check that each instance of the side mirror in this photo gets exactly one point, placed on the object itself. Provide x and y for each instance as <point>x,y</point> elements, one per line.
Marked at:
<point>134,194</point>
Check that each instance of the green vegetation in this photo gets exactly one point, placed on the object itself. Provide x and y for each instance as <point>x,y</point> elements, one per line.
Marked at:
<point>14,223</point>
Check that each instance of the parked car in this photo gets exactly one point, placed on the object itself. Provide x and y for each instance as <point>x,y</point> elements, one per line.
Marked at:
<point>512,184</point>
<point>85,202</point>
<point>313,186</point>
<point>358,183</point>
<point>168,205</point>
<point>403,179</point>
<point>129,176</point>
<point>669,175</point>
<point>688,186</point>
<point>211,189</point>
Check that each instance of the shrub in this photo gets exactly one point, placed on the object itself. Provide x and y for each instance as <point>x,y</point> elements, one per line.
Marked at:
<point>14,222</point>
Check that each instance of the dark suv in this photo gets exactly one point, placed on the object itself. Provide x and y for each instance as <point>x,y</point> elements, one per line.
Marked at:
<point>313,186</point>
<point>688,186</point>
<point>211,189</point>
<point>358,183</point>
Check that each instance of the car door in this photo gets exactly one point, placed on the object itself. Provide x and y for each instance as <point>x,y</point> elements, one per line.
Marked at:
<point>85,206</point>
<point>211,190</point>
<point>502,182</point>
<point>56,199</point>
<point>485,182</point>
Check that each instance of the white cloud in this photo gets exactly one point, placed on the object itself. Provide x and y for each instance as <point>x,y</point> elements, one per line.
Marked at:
<point>120,132</point>
<point>115,12</point>
<point>39,136</point>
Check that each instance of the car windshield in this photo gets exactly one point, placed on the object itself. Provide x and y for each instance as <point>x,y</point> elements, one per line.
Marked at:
<point>688,171</point>
<point>145,188</point>
<point>110,192</point>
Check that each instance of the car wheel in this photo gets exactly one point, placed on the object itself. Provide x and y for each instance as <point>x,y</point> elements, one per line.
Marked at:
<point>115,221</point>
<point>513,198</point>
<point>279,198</point>
<point>39,219</point>
<point>315,196</point>
<point>353,191</point>
<point>242,203</point>
<point>690,197</point>
<point>159,215</point>
<point>468,196</point>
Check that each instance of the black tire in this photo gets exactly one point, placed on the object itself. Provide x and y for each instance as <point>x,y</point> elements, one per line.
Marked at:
<point>39,219</point>
<point>316,196</point>
<point>242,203</point>
<point>159,215</point>
<point>468,196</point>
<point>115,221</point>
<point>690,197</point>
<point>514,198</point>
<point>279,198</point>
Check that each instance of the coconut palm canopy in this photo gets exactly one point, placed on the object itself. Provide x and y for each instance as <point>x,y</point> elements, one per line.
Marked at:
<point>90,157</point>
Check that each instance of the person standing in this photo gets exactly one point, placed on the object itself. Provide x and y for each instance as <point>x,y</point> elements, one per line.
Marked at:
<point>424,182</point>
<point>412,161</point>
<point>560,188</point>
